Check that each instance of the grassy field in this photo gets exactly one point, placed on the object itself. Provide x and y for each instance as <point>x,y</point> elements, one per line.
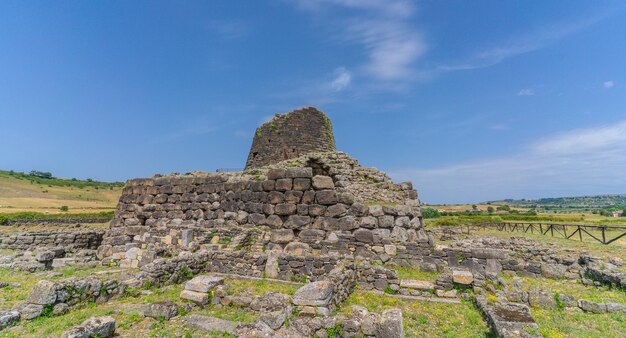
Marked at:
<point>27,193</point>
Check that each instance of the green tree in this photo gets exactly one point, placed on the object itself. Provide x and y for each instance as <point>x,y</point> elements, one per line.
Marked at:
<point>490,209</point>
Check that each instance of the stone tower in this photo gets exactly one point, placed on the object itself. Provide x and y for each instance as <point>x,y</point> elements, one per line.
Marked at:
<point>290,135</point>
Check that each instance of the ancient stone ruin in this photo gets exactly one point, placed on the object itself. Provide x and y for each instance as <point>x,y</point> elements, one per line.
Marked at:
<point>290,135</point>
<point>300,213</point>
<point>314,202</point>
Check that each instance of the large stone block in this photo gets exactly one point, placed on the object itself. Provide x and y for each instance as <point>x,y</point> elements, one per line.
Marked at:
<point>391,325</point>
<point>196,297</point>
<point>103,327</point>
<point>323,182</point>
<point>462,277</point>
<point>326,197</point>
<point>314,294</point>
<point>203,283</point>
<point>281,236</point>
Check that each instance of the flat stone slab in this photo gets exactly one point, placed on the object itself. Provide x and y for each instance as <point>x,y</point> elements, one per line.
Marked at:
<point>508,319</point>
<point>314,294</point>
<point>417,284</point>
<point>210,323</point>
<point>196,297</point>
<point>462,277</point>
<point>203,283</point>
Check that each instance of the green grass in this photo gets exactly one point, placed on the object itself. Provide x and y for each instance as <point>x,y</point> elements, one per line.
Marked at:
<point>259,288</point>
<point>573,288</point>
<point>616,249</point>
<point>425,319</point>
<point>32,215</point>
<point>555,323</point>
<point>416,274</point>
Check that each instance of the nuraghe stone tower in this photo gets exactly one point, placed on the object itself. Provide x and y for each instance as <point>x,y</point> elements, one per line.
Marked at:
<point>317,202</point>
<point>290,135</point>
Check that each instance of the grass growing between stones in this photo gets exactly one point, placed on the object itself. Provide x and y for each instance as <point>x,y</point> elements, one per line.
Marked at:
<point>555,323</point>
<point>259,287</point>
<point>415,273</point>
<point>425,319</point>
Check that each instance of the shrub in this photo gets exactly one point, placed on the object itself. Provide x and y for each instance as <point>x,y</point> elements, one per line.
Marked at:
<point>64,208</point>
<point>430,213</point>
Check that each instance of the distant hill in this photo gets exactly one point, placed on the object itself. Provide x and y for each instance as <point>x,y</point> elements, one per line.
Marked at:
<point>41,192</point>
<point>580,202</point>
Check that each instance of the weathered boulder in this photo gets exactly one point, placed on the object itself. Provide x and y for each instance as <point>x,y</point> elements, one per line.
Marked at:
<point>102,327</point>
<point>29,311</point>
<point>593,307</point>
<point>165,309</point>
<point>44,293</point>
<point>314,294</point>
<point>391,325</point>
<point>8,318</point>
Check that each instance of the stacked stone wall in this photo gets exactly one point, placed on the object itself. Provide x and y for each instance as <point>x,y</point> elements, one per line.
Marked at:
<point>290,135</point>
<point>285,208</point>
<point>70,241</point>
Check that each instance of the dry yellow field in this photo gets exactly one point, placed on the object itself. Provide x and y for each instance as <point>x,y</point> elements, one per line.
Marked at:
<point>22,195</point>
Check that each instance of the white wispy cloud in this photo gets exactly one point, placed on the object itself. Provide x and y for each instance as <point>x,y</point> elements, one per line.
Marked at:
<point>577,162</point>
<point>526,92</point>
<point>530,42</point>
<point>382,29</point>
<point>341,80</point>
<point>609,84</point>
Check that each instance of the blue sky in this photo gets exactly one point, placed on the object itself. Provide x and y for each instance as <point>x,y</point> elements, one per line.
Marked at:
<point>470,100</point>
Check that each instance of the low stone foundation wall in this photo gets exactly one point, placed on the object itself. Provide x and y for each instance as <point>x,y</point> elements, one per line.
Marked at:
<point>50,297</point>
<point>69,241</point>
<point>43,221</point>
